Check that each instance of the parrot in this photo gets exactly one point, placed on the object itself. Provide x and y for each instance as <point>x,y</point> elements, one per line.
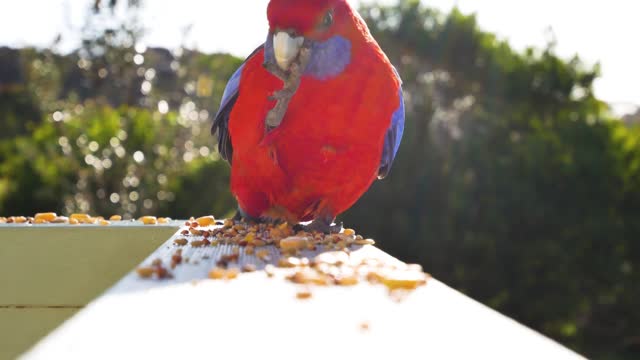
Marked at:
<point>311,118</point>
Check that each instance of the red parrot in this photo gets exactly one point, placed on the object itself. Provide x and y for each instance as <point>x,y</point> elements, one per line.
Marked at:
<point>312,117</point>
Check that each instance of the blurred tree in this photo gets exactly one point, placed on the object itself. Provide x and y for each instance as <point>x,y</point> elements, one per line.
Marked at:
<point>511,183</point>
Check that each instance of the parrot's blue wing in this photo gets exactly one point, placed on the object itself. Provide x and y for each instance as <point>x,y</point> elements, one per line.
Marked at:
<point>393,137</point>
<point>221,121</point>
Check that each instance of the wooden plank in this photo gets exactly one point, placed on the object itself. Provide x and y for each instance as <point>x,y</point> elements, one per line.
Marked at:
<point>255,316</point>
<point>64,265</point>
<point>20,328</point>
<point>49,272</point>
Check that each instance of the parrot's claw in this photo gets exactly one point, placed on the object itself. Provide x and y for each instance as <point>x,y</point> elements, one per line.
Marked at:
<point>320,225</point>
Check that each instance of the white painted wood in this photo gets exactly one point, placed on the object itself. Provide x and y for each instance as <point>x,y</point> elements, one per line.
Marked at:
<point>191,317</point>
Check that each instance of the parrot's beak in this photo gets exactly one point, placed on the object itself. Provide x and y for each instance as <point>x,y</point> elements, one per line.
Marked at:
<point>286,48</point>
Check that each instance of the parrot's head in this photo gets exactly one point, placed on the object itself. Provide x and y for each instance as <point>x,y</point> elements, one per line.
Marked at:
<point>297,23</point>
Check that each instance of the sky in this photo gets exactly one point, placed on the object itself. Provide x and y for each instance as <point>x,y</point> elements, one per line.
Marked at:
<point>601,31</point>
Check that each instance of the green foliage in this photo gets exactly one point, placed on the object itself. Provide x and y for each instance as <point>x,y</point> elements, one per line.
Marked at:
<point>103,160</point>
<point>511,184</point>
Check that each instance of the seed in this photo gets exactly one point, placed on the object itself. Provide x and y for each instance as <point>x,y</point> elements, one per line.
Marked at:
<point>248,268</point>
<point>303,294</point>
<point>48,217</point>
<point>176,258</point>
<point>408,280</point>
<point>149,220</point>
<point>206,220</point>
<point>288,262</point>
<point>217,273</point>
<point>263,255</point>
<point>184,232</point>
<point>18,219</point>
<point>197,243</point>
<point>162,272</point>
<point>195,232</point>
<point>81,218</point>
<point>250,238</point>
<point>249,250</point>
<point>349,232</point>
<point>270,270</point>
<point>259,243</point>
<point>294,243</point>
<point>40,221</point>
<point>3,220</point>
<point>104,222</point>
<point>156,262</point>
<point>232,273</point>
<point>115,218</point>
<point>347,280</point>
<point>60,220</point>
<point>145,272</point>
<point>181,241</point>
<point>365,242</point>
<point>74,221</point>
<point>163,220</point>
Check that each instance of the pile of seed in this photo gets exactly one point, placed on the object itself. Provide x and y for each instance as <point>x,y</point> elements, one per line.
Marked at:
<point>75,219</point>
<point>332,263</point>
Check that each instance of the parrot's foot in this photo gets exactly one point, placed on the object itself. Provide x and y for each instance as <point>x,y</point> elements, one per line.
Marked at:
<point>320,225</point>
<point>243,216</point>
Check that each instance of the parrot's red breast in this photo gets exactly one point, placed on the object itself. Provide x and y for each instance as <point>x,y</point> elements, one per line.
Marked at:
<point>327,150</point>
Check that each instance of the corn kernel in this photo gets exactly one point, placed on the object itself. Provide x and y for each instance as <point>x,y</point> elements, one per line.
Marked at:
<point>81,218</point>
<point>217,273</point>
<point>40,221</point>
<point>104,222</point>
<point>349,232</point>
<point>163,220</point>
<point>73,221</point>
<point>47,217</point>
<point>149,220</point>
<point>206,220</point>
<point>408,280</point>
<point>115,218</point>
<point>349,280</point>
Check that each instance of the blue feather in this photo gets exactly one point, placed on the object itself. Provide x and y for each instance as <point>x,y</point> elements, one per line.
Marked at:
<point>221,120</point>
<point>393,137</point>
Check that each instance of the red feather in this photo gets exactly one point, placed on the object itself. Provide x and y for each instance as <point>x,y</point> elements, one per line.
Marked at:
<point>326,152</point>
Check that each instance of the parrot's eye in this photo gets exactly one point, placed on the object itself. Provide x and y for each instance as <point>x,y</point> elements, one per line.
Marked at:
<point>327,21</point>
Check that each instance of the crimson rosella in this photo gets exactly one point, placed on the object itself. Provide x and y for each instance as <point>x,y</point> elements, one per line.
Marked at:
<point>312,117</point>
